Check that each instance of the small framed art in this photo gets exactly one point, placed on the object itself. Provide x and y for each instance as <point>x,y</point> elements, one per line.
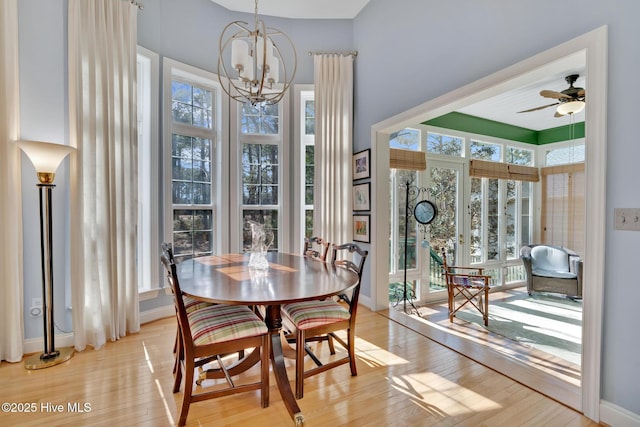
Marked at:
<point>362,197</point>
<point>361,232</point>
<point>362,164</point>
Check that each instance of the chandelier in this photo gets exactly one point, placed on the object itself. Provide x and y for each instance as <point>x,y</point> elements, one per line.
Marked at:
<point>257,71</point>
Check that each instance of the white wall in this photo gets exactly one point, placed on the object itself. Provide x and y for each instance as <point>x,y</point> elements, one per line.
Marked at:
<point>43,117</point>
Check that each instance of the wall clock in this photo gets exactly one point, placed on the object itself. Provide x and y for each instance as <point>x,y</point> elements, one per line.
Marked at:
<point>425,212</point>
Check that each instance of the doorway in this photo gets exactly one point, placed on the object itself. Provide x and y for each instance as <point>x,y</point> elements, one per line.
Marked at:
<point>594,43</point>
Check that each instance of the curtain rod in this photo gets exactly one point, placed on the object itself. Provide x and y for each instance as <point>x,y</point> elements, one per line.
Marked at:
<point>352,53</point>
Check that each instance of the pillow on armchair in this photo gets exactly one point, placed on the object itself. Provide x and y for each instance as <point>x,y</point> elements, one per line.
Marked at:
<point>548,261</point>
<point>552,269</point>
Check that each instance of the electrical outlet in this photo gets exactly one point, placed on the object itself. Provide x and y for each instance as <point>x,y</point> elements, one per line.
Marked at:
<point>36,307</point>
<point>627,219</point>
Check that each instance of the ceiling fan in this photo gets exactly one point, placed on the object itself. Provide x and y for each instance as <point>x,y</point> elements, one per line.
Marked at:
<point>570,100</point>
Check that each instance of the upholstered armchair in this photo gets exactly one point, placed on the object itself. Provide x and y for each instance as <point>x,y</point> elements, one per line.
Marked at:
<point>552,269</point>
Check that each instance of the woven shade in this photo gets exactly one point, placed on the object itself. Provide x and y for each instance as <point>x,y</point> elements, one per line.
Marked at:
<point>486,169</point>
<point>562,220</point>
<point>523,173</point>
<point>407,159</point>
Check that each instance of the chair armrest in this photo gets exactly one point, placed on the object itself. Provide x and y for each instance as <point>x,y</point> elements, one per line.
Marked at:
<point>527,261</point>
<point>454,268</point>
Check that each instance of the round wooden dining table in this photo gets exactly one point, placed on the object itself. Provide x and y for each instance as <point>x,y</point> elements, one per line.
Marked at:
<point>228,279</point>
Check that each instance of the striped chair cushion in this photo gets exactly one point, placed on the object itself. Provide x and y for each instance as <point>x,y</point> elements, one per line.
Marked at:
<point>219,323</point>
<point>192,304</point>
<point>309,314</point>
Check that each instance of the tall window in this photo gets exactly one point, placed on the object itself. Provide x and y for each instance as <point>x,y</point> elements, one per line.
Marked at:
<point>563,201</point>
<point>261,164</point>
<point>148,278</point>
<point>192,131</point>
<point>403,233</point>
<point>303,166</point>
<point>500,212</point>
<point>308,142</point>
<point>563,196</point>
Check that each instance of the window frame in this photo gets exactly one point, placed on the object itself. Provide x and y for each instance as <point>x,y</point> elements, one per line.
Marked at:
<point>174,70</point>
<point>302,94</point>
<point>149,281</point>
<point>236,206</point>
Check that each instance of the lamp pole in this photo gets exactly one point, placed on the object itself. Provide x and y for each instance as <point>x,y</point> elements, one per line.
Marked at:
<point>46,157</point>
<point>46,249</point>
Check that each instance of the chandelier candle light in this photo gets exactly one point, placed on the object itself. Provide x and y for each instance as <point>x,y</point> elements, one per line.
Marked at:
<point>46,157</point>
<point>256,61</point>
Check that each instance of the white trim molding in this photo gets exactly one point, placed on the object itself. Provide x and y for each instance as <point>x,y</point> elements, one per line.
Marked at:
<point>594,44</point>
<point>614,415</point>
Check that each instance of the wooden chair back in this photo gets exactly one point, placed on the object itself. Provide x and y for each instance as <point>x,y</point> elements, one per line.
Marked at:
<point>316,247</point>
<point>343,257</point>
<point>216,337</point>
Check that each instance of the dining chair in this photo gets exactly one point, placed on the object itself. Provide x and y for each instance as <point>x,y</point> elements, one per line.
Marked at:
<point>190,304</point>
<point>316,247</point>
<point>471,284</point>
<point>310,319</point>
<point>208,333</point>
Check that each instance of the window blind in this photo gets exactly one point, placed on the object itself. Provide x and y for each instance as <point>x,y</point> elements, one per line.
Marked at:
<point>407,159</point>
<point>485,169</point>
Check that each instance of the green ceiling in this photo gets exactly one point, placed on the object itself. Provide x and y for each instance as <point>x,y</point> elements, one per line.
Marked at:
<point>466,123</point>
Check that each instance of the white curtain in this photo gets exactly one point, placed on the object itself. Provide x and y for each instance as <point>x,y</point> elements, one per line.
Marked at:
<point>103,127</point>
<point>333,77</point>
<point>11,297</point>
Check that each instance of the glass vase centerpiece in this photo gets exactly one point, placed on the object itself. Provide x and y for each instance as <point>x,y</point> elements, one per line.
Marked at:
<point>261,240</point>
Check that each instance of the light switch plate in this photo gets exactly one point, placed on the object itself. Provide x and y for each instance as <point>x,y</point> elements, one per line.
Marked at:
<point>627,219</point>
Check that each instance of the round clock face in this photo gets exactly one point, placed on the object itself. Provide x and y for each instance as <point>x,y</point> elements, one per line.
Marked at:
<point>425,212</point>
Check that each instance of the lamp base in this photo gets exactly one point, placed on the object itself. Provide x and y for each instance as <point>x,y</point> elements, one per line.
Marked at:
<point>37,361</point>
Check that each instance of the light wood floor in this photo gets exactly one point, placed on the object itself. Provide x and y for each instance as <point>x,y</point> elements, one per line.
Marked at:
<point>404,379</point>
<point>548,374</point>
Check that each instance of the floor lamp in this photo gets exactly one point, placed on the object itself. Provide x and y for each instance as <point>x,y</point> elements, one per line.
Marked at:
<point>46,157</point>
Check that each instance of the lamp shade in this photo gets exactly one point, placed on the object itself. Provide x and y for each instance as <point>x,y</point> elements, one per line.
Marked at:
<point>570,107</point>
<point>46,157</point>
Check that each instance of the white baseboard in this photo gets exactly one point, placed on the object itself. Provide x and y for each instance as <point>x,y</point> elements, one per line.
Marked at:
<point>36,345</point>
<point>366,301</point>
<point>157,314</point>
<point>616,416</point>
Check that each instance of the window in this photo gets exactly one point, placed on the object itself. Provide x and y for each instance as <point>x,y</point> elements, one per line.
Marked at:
<point>308,140</point>
<point>563,206</point>
<point>403,232</point>
<point>564,155</point>
<point>148,277</point>
<point>192,120</point>
<point>303,150</point>
<point>261,162</point>
<point>485,151</point>
<point>444,144</point>
<point>407,139</point>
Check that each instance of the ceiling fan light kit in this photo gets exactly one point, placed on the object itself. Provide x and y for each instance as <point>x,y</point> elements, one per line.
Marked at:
<point>570,100</point>
<point>571,107</point>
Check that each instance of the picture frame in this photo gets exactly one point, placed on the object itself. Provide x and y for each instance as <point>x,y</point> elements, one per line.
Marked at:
<point>362,164</point>
<point>362,197</point>
<point>361,228</point>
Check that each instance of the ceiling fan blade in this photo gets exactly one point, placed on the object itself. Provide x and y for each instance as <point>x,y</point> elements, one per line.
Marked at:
<point>553,94</point>
<point>538,108</point>
<point>581,93</point>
